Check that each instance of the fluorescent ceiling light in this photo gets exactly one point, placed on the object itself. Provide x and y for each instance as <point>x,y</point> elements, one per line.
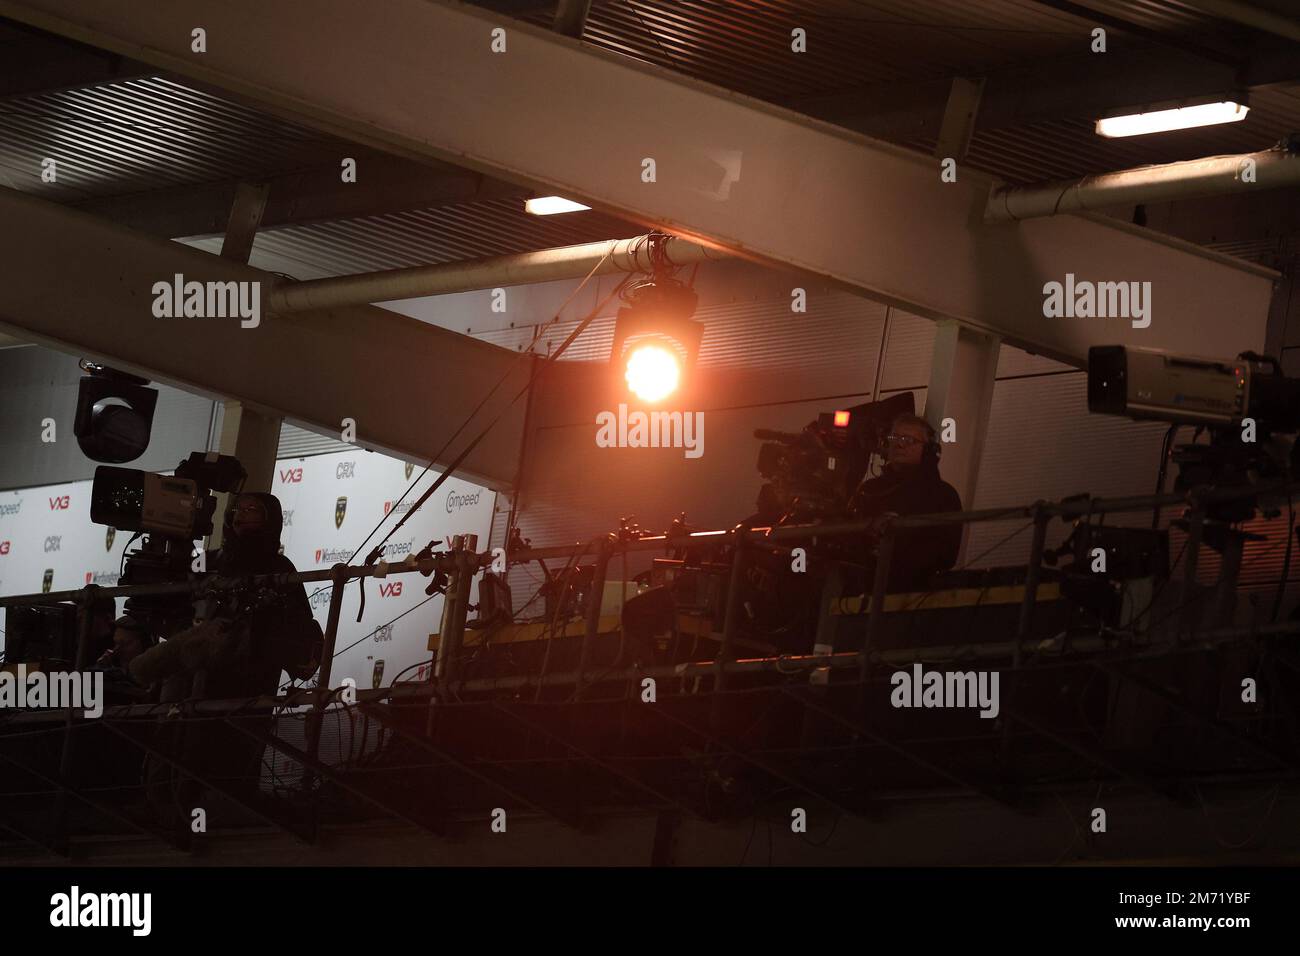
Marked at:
<point>550,205</point>
<point>1159,121</point>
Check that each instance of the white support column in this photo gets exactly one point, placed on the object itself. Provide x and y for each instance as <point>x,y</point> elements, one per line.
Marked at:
<point>253,438</point>
<point>249,435</point>
<point>958,401</point>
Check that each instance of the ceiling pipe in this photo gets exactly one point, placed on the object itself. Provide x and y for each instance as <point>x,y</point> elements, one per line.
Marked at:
<point>1211,176</point>
<point>544,265</point>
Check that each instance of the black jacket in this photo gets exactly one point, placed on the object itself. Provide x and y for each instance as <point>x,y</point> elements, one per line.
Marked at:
<point>282,633</point>
<point>919,553</point>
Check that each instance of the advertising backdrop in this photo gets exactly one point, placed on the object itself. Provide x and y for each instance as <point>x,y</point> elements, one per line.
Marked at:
<point>331,502</point>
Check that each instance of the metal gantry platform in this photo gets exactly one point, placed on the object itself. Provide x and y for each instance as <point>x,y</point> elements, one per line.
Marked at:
<point>596,730</point>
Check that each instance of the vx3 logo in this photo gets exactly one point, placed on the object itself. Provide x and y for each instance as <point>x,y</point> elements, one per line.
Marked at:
<point>61,503</point>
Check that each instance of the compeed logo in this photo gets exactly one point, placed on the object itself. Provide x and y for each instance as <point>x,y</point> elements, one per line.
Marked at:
<point>455,502</point>
<point>340,509</point>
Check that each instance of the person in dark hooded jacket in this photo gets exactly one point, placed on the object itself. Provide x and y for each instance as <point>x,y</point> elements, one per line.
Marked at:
<point>252,634</point>
<point>244,641</point>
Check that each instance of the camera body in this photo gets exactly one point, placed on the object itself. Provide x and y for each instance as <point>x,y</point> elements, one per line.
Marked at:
<point>1220,396</point>
<point>171,511</point>
<point>812,475</point>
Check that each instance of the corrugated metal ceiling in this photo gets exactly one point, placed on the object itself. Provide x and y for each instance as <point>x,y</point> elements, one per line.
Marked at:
<point>140,134</point>
<point>745,44</point>
<point>1066,148</point>
<point>147,133</point>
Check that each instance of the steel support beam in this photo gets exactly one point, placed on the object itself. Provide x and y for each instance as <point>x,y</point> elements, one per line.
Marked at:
<point>246,434</point>
<point>571,17</point>
<point>385,184</point>
<point>728,170</point>
<point>81,285</point>
<point>959,118</point>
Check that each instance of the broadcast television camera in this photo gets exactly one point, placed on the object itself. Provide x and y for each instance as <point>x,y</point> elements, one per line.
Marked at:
<point>813,474</point>
<point>1213,394</point>
<point>171,511</point>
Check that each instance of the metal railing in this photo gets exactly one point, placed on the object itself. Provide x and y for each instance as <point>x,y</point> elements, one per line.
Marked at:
<point>446,683</point>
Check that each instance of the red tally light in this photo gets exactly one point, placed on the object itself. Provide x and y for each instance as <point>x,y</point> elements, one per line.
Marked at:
<point>841,419</point>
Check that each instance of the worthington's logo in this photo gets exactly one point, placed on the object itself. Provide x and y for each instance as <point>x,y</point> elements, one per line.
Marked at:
<point>651,430</point>
<point>208,300</point>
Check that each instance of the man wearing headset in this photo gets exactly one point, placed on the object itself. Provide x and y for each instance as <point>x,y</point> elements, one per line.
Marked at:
<point>910,485</point>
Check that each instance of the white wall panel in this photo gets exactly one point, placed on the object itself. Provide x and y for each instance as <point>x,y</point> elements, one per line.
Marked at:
<point>1044,443</point>
<point>331,502</point>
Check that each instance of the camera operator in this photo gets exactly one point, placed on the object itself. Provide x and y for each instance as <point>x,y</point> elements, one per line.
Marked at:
<point>244,642</point>
<point>910,485</point>
<point>241,645</point>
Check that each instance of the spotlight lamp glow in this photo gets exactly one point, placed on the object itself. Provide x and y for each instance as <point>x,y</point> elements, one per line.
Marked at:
<point>653,372</point>
<point>551,205</point>
<point>655,341</point>
<point>1183,117</point>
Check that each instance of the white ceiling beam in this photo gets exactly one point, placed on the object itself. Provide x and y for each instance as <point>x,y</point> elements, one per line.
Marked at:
<point>85,286</point>
<point>422,78</point>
